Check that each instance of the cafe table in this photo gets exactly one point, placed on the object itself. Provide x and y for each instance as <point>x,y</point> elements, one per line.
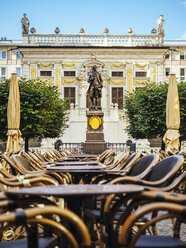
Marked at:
<point>83,156</point>
<point>60,162</point>
<point>79,157</point>
<point>76,195</point>
<point>83,172</point>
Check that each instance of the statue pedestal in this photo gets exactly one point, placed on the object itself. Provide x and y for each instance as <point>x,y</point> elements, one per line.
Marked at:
<point>95,143</point>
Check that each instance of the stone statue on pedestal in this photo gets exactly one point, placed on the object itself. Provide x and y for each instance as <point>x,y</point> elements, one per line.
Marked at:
<point>95,88</point>
<point>25,24</point>
<point>160,23</point>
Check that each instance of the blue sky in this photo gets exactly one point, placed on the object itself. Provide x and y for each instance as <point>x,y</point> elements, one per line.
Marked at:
<point>93,16</point>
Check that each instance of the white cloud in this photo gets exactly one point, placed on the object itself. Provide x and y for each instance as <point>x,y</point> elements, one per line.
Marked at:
<point>182,37</point>
<point>184,3</point>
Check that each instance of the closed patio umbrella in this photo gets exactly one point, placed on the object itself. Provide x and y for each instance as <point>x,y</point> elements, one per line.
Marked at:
<point>171,137</point>
<point>13,116</point>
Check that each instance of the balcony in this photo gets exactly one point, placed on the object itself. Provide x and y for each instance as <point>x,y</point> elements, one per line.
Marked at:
<point>108,40</point>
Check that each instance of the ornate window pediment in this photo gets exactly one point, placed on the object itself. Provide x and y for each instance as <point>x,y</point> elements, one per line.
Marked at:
<point>86,67</point>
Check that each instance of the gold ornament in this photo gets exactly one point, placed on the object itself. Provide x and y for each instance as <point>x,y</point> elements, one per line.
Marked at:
<point>64,64</point>
<point>117,65</point>
<point>153,72</point>
<point>33,72</point>
<point>129,79</point>
<point>46,64</point>
<point>117,81</point>
<point>141,82</point>
<point>57,71</point>
<point>95,122</point>
<point>141,65</point>
<point>69,81</point>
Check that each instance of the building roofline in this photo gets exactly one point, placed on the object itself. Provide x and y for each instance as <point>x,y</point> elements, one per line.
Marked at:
<point>97,47</point>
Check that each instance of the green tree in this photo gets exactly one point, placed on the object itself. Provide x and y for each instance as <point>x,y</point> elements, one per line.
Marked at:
<point>43,113</point>
<point>146,111</point>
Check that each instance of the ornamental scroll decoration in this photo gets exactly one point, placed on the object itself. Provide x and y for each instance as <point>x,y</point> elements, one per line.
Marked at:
<point>129,79</point>
<point>45,64</point>
<point>117,64</point>
<point>117,81</point>
<point>57,71</point>
<point>153,72</point>
<point>74,80</point>
<point>141,82</point>
<point>141,65</point>
<point>33,73</point>
<point>64,64</point>
<point>49,81</point>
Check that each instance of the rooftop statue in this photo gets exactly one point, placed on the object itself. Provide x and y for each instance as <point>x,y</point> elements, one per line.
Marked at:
<point>25,24</point>
<point>160,23</point>
<point>95,87</point>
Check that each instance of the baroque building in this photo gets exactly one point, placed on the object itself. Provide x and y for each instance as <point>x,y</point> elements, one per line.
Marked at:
<point>126,62</point>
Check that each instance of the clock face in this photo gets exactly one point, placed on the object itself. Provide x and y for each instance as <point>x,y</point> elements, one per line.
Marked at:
<point>95,122</point>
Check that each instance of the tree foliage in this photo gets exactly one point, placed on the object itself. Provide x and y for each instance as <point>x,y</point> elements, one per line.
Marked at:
<point>146,111</point>
<point>43,113</point>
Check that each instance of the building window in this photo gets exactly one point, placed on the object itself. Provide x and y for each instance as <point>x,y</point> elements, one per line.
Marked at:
<point>141,73</point>
<point>69,73</point>
<point>167,56</point>
<point>46,73</point>
<point>182,56</point>
<point>18,55</point>
<point>167,72</point>
<point>69,95</point>
<point>182,74</point>
<point>117,96</point>
<point>2,54</point>
<point>117,74</point>
<point>18,71</point>
<point>3,73</point>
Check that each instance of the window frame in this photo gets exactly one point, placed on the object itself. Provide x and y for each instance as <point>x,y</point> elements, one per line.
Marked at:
<point>3,76</point>
<point>167,56</point>
<point>18,57</point>
<point>142,76</point>
<point>46,73</point>
<point>117,98</point>
<point>20,71</point>
<point>69,72</point>
<point>1,54</point>
<point>69,98</point>
<point>183,54</point>
<point>182,77</point>
<point>117,72</point>
<point>167,68</point>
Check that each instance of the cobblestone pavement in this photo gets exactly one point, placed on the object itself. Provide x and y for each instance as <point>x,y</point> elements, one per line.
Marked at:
<point>165,228</point>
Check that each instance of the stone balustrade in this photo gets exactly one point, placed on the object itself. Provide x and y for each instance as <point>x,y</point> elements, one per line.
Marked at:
<point>93,40</point>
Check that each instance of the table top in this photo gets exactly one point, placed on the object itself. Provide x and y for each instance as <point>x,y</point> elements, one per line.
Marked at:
<point>74,190</point>
<point>76,168</point>
<point>82,156</point>
<point>58,162</point>
<point>83,170</point>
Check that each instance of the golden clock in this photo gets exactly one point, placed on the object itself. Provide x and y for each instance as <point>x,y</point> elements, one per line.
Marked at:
<point>95,122</point>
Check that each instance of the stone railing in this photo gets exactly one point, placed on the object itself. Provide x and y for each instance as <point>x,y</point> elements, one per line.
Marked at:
<point>79,147</point>
<point>93,40</point>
